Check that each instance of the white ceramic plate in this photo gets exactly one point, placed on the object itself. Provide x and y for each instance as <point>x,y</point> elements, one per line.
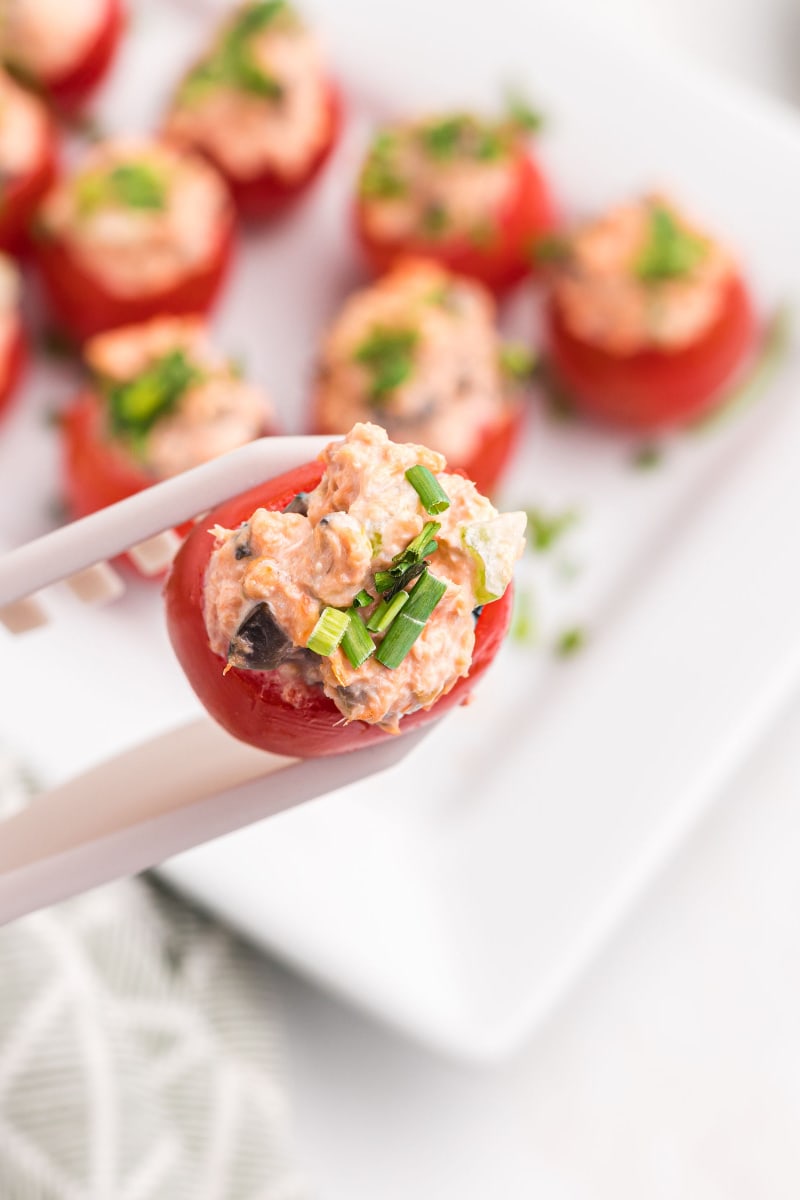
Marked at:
<point>457,897</point>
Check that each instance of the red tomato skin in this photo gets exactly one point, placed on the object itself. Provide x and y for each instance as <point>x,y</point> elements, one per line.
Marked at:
<point>528,214</point>
<point>15,365</point>
<point>487,465</point>
<point>22,197</point>
<point>96,472</point>
<point>83,306</point>
<point>266,195</point>
<point>248,704</point>
<point>72,89</point>
<point>653,389</point>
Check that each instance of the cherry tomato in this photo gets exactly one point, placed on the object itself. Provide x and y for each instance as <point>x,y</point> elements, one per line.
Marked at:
<point>267,194</point>
<point>83,305</point>
<point>72,88</point>
<point>249,704</point>
<point>486,466</point>
<point>503,260</point>
<point>654,388</point>
<point>21,196</point>
<point>16,356</point>
<point>97,470</point>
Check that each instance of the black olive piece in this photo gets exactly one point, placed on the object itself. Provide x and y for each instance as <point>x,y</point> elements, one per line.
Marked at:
<point>476,612</point>
<point>242,543</point>
<point>298,505</point>
<point>259,644</point>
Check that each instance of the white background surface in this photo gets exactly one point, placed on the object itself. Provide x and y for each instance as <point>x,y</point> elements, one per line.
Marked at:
<point>674,1069</point>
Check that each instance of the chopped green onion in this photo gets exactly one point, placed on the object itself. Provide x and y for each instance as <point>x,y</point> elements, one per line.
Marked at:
<point>388,355</point>
<point>670,251</point>
<point>328,631</point>
<point>431,493</point>
<point>647,456</point>
<point>130,184</point>
<point>550,248</point>
<point>386,612</point>
<point>522,114</point>
<point>410,621</point>
<point>137,404</point>
<point>419,547</point>
<point>391,581</point>
<point>570,642</point>
<point>362,599</point>
<point>517,361</point>
<point>545,528</point>
<point>356,643</point>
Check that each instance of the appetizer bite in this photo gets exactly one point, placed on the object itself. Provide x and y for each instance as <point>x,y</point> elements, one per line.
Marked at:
<point>457,188</point>
<point>64,49</point>
<point>648,316</point>
<point>419,353</point>
<point>260,106</point>
<point>27,161</point>
<point>12,338</point>
<point>162,400</point>
<point>353,598</point>
<point>138,230</point>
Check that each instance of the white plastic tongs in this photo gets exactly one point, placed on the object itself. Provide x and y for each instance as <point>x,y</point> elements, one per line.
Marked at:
<point>188,785</point>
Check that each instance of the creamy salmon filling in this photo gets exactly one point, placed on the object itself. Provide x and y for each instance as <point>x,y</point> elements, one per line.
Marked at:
<point>48,38</point>
<point>139,216</point>
<point>171,398</point>
<point>419,353</point>
<point>23,131</point>
<point>259,101</point>
<point>641,277</point>
<point>270,581</point>
<point>437,179</point>
<point>9,313</point>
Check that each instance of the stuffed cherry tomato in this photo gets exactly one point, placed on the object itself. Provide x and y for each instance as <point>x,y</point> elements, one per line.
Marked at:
<point>456,188</point>
<point>330,608</point>
<point>260,106</point>
<point>64,49</point>
<point>141,229</point>
<point>12,338</point>
<point>648,317</point>
<point>419,353</point>
<point>27,161</point>
<point>162,400</point>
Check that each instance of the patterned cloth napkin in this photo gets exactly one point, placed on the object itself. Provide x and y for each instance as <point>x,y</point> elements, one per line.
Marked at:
<point>139,1054</point>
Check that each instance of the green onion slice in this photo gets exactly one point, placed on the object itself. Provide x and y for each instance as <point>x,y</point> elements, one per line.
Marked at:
<point>388,583</point>
<point>362,599</point>
<point>356,643</point>
<point>410,621</point>
<point>386,612</point>
<point>431,493</point>
<point>328,631</point>
<point>419,547</point>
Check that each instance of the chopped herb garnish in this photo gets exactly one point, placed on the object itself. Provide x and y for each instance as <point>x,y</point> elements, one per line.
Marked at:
<point>421,545</point>
<point>435,220</point>
<point>136,405</point>
<point>463,135</point>
<point>670,251</point>
<point>328,631</point>
<point>410,621</point>
<point>550,248</point>
<point>559,402</point>
<point>523,623</point>
<point>380,179</point>
<point>545,529</point>
<point>231,63</point>
<point>517,362</point>
<point>432,495</point>
<point>443,139</point>
<point>386,612</point>
<point>647,456</point>
<point>388,355</point>
<point>570,642</point>
<point>363,599</point>
<point>482,236</point>
<point>357,645</point>
<point>522,114</point>
<point>755,380</point>
<point>390,582</point>
<point>129,185</point>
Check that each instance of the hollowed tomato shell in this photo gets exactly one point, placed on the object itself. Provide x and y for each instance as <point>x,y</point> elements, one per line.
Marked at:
<point>654,389</point>
<point>500,263</point>
<point>249,704</point>
<point>14,366</point>
<point>22,196</point>
<point>72,88</point>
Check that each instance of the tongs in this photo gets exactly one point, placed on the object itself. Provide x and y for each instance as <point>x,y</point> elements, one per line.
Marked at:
<point>187,785</point>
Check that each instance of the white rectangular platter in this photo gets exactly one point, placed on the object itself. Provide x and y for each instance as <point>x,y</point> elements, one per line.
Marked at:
<point>457,897</point>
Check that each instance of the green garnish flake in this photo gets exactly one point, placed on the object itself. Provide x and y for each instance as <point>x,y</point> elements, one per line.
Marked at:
<point>463,136</point>
<point>521,113</point>
<point>363,599</point>
<point>328,631</point>
<point>389,583</point>
<point>386,612</point>
<point>550,248</point>
<point>420,546</point>
<point>517,361</point>
<point>410,621</point>
<point>545,529</point>
<point>388,355</point>
<point>356,644</point>
<point>647,456</point>
<point>524,629</point>
<point>136,405</point>
<point>756,379</point>
<point>432,495</point>
<point>137,185</point>
<point>380,179</point>
<point>231,63</point>
<point>670,252</point>
<point>570,642</point>
<point>434,220</point>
